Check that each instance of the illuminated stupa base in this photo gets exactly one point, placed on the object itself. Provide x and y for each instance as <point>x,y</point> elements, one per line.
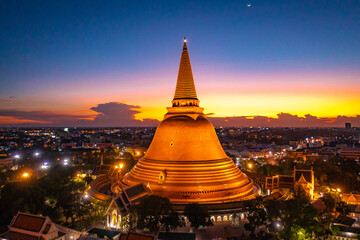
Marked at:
<point>185,161</point>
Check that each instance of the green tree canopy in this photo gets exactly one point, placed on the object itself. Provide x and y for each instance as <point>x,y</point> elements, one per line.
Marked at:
<point>197,215</point>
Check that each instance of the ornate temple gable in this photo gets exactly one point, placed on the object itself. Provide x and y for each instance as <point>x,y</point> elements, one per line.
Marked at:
<point>351,198</point>
<point>302,180</point>
<point>307,174</point>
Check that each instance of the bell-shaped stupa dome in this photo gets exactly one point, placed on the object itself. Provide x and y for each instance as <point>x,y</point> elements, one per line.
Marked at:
<point>185,161</point>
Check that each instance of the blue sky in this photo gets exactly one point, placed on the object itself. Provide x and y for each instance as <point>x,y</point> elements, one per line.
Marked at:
<point>79,47</point>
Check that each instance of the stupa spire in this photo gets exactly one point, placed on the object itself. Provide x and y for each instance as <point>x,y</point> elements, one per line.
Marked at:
<point>185,102</point>
<point>185,87</point>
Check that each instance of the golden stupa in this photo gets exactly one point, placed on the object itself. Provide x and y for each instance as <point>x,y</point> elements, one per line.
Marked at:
<point>185,161</point>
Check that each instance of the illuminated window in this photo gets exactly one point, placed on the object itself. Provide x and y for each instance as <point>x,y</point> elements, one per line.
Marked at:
<point>218,219</point>
<point>225,218</point>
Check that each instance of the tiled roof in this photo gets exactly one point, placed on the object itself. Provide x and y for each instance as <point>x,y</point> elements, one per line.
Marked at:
<point>103,169</point>
<point>306,173</point>
<point>124,198</point>
<point>88,238</point>
<point>29,222</point>
<point>302,179</point>
<point>136,190</point>
<point>347,221</point>
<point>287,179</point>
<point>349,229</point>
<point>319,205</point>
<point>122,236</point>
<point>351,198</point>
<point>18,236</point>
<point>176,236</point>
<point>47,228</point>
<point>104,232</point>
<point>119,203</point>
<point>139,236</point>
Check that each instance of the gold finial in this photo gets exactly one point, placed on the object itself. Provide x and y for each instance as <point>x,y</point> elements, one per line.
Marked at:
<point>185,40</point>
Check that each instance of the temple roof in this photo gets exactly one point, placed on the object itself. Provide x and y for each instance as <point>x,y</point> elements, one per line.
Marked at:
<point>307,174</point>
<point>319,205</point>
<point>185,87</point>
<point>139,236</point>
<point>302,179</point>
<point>29,222</point>
<point>18,236</point>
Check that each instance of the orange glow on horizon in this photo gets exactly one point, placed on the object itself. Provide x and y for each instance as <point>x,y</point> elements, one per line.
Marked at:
<point>237,94</point>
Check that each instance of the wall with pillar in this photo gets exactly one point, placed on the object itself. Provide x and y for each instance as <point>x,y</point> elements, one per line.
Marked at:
<point>226,217</point>
<point>114,219</point>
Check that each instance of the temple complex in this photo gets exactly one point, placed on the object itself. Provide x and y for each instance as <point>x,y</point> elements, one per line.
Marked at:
<point>185,161</point>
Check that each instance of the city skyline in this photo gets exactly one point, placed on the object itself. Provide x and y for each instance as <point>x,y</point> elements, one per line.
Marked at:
<point>270,64</point>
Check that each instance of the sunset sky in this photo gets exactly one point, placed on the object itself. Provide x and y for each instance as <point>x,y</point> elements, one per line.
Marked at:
<point>115,63</point>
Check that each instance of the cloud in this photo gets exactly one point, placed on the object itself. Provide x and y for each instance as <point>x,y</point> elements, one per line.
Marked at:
<point>116,114</point>
<point>284,120</point>
<point>112,114</point>
<point>5,100</point>
<point>40,116</point>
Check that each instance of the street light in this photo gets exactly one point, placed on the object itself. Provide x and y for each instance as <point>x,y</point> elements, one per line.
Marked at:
<point>44,166</point>
<point>338,190</point>
<point>277,225</point>
<point>121,165</point>
<point>250,165</point>
<point>25,175</point>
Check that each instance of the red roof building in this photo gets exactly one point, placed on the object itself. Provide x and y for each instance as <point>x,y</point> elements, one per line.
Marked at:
<point>26,226</point>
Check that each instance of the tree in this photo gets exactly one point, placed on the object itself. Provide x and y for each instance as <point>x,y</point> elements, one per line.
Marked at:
<point>197,215</point>
<point>300,218</point>
<point>155,212</point>
<point>20,196</point>
<point>129,161</point>
<point>172,221</point>
<point>256,214</point>
<point>298,233</point>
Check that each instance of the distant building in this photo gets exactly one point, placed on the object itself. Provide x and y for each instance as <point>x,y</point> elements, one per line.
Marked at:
<point>351,153</point>
<point>68,145</point>
<point>303,179</point>
<point>354,211</point>
<point>136,151</point>
<point>351,199</point>
<point>347,125</point>
<point>5,161</point>
<point>347,229</point>
<point>97,140</point>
